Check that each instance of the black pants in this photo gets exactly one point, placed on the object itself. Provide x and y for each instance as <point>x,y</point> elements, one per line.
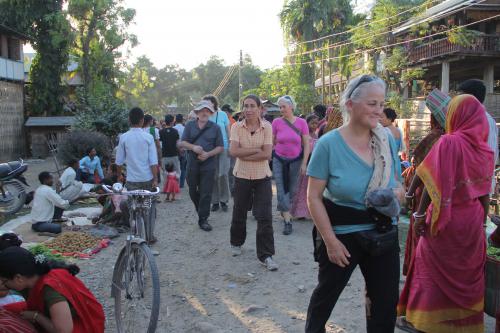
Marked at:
<point>382,287</point>
<point>201,184</point>
<point>260,192</point>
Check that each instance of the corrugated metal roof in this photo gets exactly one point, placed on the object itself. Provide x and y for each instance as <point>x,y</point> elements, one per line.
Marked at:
<point>49,121</point>
<point>436,12</point>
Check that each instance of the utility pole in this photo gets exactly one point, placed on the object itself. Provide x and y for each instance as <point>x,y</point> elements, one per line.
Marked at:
<point>240,81</point>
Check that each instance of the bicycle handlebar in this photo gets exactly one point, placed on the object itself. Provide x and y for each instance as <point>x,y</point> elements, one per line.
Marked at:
<point>110,189</point>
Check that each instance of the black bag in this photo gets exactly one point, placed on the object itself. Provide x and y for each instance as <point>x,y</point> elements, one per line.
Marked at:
<point>376,243</point>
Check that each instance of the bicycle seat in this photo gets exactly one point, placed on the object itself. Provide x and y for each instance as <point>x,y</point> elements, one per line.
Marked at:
<point>6,168</point>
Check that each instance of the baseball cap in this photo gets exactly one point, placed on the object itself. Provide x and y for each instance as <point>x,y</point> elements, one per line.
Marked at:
<point>204,105</point>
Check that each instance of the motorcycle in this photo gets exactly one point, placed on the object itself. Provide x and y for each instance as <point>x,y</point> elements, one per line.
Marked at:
<point>12,187</point>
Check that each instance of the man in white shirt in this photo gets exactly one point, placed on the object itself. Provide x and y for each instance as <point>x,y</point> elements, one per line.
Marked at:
<point>47,206</point>
<point>478,89</point>
<point>137,150</point>
<point>179,124</point>
<point>70,187</point>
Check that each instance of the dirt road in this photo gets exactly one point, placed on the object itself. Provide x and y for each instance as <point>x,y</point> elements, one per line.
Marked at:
<point>205,289</point>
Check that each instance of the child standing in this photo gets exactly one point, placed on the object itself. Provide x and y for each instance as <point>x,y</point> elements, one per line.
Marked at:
<point>171,187</point>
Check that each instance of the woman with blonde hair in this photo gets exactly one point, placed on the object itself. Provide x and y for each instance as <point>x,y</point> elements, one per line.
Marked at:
<point>352,176</point>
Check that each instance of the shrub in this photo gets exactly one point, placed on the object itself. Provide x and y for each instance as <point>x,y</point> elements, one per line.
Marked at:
<point>102,112</point>
<point>76,143</point>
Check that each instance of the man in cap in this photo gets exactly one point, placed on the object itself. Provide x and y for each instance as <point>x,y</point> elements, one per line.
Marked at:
<point>203,141</point>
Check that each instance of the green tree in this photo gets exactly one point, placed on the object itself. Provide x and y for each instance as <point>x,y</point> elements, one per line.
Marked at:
<point>101,30</point>
<point>305,20</point>
<point>285,81</point>
<point>46,23</point>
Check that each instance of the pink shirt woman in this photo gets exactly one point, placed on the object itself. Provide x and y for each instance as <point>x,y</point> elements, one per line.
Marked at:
<point>290,156</point>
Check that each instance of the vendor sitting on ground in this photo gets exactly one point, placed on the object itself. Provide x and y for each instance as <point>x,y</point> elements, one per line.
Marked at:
<point>48,206</point>
<point>89,166</point>
<point>111,213</point>
<point>57,301</point>
<point>11,303</point>
<point>71,189</point>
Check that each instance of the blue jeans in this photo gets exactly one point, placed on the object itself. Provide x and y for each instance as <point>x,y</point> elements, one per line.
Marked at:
<point>53,228</point>
<point>284,199</point>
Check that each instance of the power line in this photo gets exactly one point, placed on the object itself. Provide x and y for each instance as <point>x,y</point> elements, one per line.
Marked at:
<point>224,81</point>
<point>398,43</point>
<point>366,24</point>
<point>221,82</point>
<point>341,44</point>
<point>230,77</point>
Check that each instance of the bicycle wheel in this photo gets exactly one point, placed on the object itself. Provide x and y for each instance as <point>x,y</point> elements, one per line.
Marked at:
<point>136,289</point>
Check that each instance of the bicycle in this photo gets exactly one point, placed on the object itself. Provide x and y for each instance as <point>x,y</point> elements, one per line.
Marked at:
<point>136,283</point>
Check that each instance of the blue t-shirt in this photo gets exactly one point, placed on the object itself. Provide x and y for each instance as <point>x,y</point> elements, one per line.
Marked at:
<point>347,174</point>
<point>221,119</point>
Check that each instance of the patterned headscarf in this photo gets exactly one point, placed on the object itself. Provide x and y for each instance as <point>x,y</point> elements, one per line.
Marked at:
<point>335,119</point>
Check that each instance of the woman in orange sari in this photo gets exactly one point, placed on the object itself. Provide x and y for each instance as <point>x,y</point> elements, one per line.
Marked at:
<point>444,289</point>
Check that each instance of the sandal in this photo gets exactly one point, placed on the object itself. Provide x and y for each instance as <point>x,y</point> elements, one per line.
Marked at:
<point>406,326</point>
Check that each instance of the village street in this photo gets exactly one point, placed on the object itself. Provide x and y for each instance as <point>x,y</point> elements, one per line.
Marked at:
<point>205,289</point>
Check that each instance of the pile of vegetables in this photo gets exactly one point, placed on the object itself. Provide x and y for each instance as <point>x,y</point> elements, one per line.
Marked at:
<point>71,242</point>
<point>44,250</point>
<point>493,252</point>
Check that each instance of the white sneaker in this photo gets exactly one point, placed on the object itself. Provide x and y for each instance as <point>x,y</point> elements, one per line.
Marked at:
<point>155,253</point>
<point>235,250</point>
<point>270,264</point>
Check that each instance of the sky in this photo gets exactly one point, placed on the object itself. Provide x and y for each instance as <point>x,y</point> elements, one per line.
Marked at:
<point>188,32</point>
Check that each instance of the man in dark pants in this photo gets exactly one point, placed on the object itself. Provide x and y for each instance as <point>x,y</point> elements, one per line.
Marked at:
<point>251,144</point>
<point>382,298</point>
<point>203,140</point>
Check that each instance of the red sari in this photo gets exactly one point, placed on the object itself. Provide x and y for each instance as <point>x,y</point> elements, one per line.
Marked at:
<point>420,152</point>
<point>444,290</point>
<point>12,322</point>
<point>89,312</point>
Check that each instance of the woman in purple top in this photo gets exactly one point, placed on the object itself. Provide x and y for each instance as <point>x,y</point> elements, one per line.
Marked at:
<point>290,155</point>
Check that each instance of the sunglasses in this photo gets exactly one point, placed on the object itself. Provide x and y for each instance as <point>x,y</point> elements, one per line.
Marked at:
<point>363,79</point>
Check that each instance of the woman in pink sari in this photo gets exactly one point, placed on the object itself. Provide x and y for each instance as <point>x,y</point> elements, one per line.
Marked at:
<point>444,290</point>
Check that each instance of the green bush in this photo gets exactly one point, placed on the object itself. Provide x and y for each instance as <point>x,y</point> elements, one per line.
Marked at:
<point>101,112</point>
<point>76,143</point>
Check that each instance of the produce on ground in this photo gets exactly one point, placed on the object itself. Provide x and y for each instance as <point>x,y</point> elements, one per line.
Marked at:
<point>73,242</point>
<point>493,252</point>
<point>48,253</point>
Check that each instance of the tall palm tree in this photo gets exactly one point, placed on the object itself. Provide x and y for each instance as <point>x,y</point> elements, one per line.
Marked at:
<point>305,20</point>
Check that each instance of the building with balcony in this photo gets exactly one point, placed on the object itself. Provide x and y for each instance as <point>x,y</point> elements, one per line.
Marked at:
<point>448,64</point>
<point>12,143</point>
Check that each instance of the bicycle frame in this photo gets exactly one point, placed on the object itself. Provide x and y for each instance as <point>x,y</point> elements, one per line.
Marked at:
<point>139,207</point>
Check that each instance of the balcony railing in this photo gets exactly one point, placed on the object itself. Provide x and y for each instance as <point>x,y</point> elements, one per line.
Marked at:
<point>11,70</point>
<point>481,45</point>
